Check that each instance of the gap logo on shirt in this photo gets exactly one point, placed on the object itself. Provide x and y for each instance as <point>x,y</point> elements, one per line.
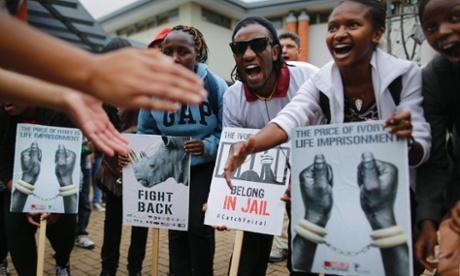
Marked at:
<point>186,116</point>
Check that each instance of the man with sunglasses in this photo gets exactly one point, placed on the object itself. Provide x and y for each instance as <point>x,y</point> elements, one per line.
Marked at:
<point>264,84</point>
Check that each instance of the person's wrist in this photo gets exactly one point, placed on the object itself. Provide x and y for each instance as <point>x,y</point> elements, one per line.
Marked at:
<point>381,219</point>
<point>65,181</point>
<point>427,224</point>
<point>316,218</point>
<point>29,179</point>
<point>88,75</point>
<point>66,100</point>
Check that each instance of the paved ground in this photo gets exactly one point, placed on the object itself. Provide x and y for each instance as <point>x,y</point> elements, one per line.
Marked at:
<point>87,262</point>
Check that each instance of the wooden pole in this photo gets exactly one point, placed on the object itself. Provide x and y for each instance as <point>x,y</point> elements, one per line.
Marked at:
<point>155,236</point>
<point>41,246</point>
<point>236,253</point>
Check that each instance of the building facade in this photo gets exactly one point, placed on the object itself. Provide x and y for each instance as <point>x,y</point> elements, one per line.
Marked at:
<point>141,20</point>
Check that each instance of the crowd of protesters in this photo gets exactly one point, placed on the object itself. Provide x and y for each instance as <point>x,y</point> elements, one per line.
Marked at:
<point>271,91</point>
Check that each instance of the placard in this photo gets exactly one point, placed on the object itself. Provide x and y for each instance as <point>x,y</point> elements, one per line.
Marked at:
<point>254,202</point>
<point>350,201</point>
<point>46,174</point>
<point>156,182</point>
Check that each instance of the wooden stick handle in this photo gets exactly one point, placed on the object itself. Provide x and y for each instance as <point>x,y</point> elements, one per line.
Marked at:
<point>155,235</point>
<point>41,247</point>
<point>236,253</point>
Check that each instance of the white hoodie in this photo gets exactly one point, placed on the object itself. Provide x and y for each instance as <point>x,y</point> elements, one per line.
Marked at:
<point>304,108</point>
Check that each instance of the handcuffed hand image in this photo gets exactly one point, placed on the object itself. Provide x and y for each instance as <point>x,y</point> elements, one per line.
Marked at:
<point>170,160</point>
<point>30,165</point>
<point>65,164</point>
<point>316,182</point>
<point>378,183</point>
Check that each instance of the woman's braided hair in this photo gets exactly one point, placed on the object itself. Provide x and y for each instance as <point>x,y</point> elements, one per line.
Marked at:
<point>200,43</point>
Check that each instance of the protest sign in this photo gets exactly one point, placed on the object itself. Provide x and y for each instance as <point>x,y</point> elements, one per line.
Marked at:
<point>350,201</point>
<point>253,204</point>
<point>156,182</point>
<point>46,174</point>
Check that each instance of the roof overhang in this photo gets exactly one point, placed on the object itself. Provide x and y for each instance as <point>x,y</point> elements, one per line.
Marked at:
<point>233,8</point>
<point>67,20</point>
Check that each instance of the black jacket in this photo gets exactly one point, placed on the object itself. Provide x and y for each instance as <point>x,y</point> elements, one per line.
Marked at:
<point>438,180</point>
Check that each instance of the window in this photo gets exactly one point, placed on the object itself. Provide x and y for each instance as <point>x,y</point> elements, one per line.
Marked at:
<point>277,23</point>
<point>149,23</point>
<point>167,17</point>
<point>215,18</point>
<point>319,18</point>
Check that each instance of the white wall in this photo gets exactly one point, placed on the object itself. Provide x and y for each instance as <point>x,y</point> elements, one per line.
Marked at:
<point>220,59</point>
<point>148,35</point>
<point>318,52</point>
<point>427,53</point>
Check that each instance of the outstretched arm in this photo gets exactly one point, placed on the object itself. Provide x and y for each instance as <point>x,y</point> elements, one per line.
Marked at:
<point>125,78</point>
<point>267,138</point>
<point>84,110</point>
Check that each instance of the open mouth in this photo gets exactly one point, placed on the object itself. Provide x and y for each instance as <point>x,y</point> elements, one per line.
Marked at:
<point>252,70</point>
<point>342,49</point>
<point>451,49</point>
<point>8,107</point>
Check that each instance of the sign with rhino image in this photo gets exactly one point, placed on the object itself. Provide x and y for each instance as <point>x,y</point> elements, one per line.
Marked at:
<point>254,202</point>
<point>350,201</point>
<point>46,173</point>
<point>156,182</point>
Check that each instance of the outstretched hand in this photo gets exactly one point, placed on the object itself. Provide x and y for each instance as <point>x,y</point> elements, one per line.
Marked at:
<point>87,113</point>
<point>237,156</point>
<point>143,78</point>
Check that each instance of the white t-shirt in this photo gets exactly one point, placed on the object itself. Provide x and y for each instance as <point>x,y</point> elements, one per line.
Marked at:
<point>241,109</point>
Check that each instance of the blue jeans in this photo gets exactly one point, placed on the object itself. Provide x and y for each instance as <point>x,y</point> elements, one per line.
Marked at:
<point>84,208</point>
<point>96,191</point>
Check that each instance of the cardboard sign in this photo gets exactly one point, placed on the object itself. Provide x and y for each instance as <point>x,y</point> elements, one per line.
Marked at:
<point>156,182</point>
<point>46,173</point>
<point>253,204</point>
<point>350,201</point>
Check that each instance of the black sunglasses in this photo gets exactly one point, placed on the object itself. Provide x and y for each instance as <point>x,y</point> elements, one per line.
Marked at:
<point>257,45</point>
